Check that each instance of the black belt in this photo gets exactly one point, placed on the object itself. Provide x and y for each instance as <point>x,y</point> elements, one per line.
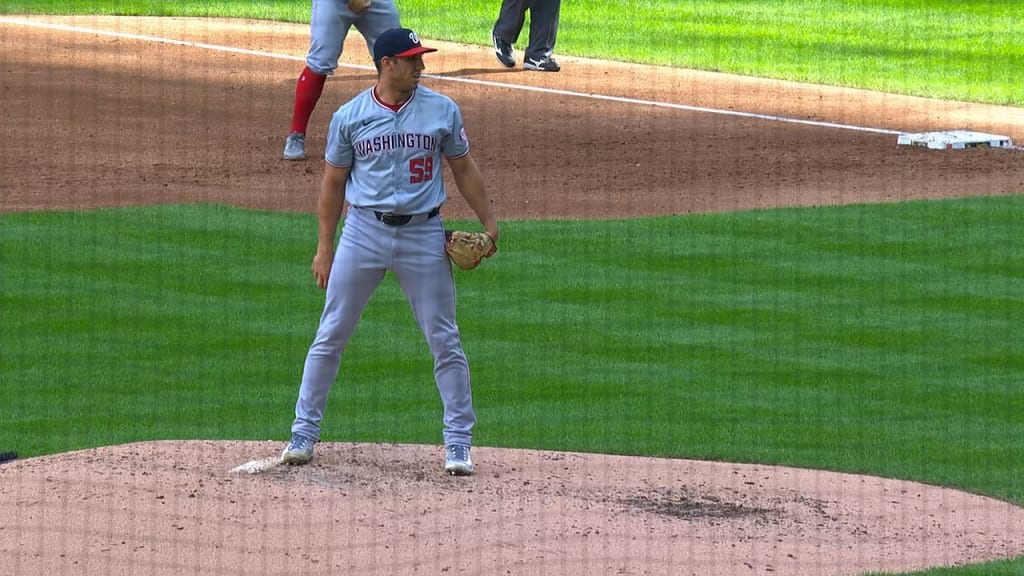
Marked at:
<point>402,219</point>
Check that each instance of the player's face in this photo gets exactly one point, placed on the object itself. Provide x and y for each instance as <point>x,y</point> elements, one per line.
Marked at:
<point>406,71</point>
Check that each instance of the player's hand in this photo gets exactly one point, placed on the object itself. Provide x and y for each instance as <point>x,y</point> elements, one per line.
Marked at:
<point>322,263</point>
<point>357,6</point>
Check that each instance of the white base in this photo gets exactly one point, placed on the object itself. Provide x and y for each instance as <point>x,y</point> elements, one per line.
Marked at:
<point>954,140</point>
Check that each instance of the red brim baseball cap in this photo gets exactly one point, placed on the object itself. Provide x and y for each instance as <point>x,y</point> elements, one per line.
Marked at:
<point>415,51</point>
<point>399,43</point>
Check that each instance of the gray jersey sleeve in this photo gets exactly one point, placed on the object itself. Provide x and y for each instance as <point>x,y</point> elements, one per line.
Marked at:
<point>455,144</point>
<point>339,140</point>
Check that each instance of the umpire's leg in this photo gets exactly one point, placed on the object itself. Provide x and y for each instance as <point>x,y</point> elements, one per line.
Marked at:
<point>510,20</point>
<point>543,28</point>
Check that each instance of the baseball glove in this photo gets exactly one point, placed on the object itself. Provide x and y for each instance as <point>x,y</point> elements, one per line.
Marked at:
<point>467,249</point>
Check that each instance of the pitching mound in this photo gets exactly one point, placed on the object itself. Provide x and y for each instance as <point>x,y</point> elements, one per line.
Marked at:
<point>178,507</point>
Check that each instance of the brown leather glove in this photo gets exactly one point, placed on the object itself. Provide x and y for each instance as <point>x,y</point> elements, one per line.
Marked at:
<point>467,249</point>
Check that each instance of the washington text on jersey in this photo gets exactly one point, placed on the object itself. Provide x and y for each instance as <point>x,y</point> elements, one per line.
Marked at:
<point>386,142</point>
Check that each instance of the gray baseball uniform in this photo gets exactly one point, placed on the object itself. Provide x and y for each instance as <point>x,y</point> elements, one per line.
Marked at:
<point>395,157</point>
<point>329,24</point>
<point>330,21</point>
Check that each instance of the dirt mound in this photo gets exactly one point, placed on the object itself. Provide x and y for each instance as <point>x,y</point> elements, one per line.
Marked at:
<point>178,507</point>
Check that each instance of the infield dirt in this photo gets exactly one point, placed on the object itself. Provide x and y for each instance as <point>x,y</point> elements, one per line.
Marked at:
<point>92,120</point>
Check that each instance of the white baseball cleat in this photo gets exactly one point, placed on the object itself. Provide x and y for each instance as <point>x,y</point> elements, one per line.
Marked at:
<point>457,461</point>
<point>295,146</point>
<point>298,451</point>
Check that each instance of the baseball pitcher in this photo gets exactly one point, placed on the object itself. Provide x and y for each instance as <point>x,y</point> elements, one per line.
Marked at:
<point>384,156</point>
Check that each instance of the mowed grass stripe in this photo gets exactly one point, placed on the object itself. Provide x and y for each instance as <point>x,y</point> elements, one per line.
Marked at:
<point>967,50</point>
<point>874,338</point>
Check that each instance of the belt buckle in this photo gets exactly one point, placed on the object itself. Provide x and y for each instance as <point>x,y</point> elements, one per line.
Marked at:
<point>392,219</point>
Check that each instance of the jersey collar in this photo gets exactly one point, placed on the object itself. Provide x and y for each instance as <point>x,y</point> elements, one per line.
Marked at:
<point>376,98</point>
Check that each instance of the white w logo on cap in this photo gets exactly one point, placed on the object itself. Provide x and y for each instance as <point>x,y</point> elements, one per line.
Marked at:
<point>412,36</point>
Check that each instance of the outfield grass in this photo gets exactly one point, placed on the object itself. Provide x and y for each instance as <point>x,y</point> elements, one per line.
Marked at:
<point>964,50</point>
<point>877,339</point>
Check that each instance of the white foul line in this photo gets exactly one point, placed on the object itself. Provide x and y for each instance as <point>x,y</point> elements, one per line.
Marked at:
<point>65,28</point>
<point>659,104</point>
<point>591,95</point>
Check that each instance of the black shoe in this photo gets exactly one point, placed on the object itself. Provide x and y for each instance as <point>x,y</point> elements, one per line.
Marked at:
<point>541,65</point>
<point>503,51</point>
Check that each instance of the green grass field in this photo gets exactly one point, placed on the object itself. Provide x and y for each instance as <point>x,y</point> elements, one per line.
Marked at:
<point>881,339</point>
<point>960,50</point>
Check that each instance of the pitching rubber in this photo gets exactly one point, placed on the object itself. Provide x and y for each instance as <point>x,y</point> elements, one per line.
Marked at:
<point>257,466</point>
